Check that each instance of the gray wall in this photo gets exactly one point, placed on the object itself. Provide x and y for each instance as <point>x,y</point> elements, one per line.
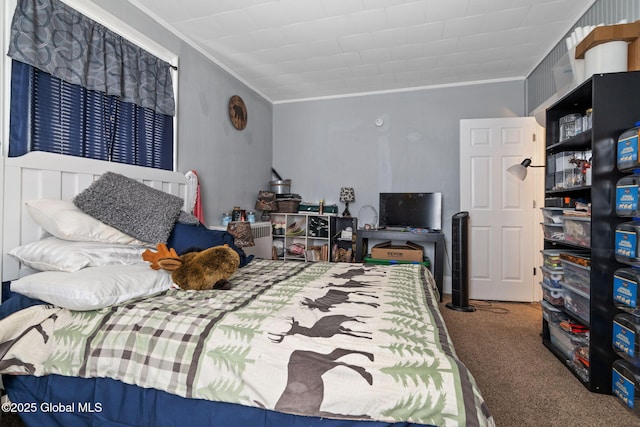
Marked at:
<point>232,165</point>
<point>320,145</point>
<point>326,144</point>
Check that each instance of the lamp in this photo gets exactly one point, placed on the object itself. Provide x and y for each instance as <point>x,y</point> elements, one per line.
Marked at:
<point>266,203</point>
<point>347,195</point>
<point>520,170</point>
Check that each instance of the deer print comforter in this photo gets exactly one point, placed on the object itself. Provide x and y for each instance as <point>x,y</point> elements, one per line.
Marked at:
<point>333,340</point>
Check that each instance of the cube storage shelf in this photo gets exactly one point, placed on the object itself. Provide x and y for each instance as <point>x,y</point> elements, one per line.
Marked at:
<point>302,236</point>
<point>614,98</point>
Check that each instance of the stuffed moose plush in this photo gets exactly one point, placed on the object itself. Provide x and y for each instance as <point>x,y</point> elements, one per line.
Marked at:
<point>203,270</point>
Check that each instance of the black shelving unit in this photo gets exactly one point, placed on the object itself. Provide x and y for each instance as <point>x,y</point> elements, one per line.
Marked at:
<point>615,100</point>
<point>339,224</point>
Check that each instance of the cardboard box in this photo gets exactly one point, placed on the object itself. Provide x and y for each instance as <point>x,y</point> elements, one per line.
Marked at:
<point>408,252</point>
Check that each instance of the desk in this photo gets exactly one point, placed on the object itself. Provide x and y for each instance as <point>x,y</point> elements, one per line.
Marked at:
<point>363,236</point>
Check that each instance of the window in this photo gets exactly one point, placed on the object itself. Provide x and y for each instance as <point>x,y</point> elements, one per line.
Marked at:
<point>48,114</point>
<point>87,91</point>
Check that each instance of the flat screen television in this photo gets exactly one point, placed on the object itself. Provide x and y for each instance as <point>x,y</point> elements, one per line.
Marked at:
<point>411,210</point>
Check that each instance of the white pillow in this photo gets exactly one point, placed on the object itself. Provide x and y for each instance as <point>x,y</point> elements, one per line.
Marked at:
<point>53,254</point>
<point>64,220</point>
<point>93,287</point>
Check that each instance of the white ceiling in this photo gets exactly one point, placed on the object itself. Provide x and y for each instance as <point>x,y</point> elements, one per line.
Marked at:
<point>303,49</point>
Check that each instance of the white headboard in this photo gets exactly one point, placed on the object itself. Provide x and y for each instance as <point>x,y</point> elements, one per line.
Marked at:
<point>40,175</point>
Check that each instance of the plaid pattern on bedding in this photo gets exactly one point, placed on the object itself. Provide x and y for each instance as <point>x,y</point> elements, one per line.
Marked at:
<point>348,341</point>
<point>176,324</point>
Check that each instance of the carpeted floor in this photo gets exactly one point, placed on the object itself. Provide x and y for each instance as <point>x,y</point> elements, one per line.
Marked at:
<point>521,381</point>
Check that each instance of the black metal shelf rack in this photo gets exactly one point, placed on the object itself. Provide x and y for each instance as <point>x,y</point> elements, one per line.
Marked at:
<point>615,101</point>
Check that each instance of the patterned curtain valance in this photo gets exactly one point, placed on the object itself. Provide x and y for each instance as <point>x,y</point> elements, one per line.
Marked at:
<point>57,39</point>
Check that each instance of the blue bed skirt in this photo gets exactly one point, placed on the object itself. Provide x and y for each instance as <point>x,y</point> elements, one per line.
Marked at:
<point>96,402</point>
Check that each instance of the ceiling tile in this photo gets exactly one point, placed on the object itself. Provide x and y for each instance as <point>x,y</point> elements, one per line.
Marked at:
<point>342,7</point>
<point>543,13</point>
<point>375,56</point>
<point>491,6</point>
<point>506,19</point>
<point>407,51</point>
<point>440,47</point>
<point>462,27</point>
<point>367,21</point>
<point>425,33</point>
<point>438,10</point>
<point>301,49</point>
<point>406,14</point>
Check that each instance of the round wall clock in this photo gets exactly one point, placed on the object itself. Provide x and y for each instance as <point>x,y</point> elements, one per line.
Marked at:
<point>237,112</point>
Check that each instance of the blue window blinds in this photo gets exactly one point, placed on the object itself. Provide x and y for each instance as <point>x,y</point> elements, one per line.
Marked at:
<point>49,114</point>
<point>79,89</point>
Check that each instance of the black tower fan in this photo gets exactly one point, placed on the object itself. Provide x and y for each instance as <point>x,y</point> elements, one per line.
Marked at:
<point>459,268</point>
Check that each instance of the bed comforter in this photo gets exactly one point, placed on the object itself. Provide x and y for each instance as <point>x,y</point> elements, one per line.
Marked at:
<point>332,340</point>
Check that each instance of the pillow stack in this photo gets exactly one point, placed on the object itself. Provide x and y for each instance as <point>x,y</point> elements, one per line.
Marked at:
<point>92,256</point>
<point>84,264</point>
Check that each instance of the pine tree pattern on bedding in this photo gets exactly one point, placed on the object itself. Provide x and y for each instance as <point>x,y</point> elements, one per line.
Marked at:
<point>334,340</point>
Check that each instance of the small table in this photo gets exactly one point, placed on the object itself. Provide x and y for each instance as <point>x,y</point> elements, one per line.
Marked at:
<point>437,238</point>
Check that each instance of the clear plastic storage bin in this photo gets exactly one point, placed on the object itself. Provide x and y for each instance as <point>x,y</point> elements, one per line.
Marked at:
<point>577,275</point>
<point>576,302</point>
<point>628,196</point>
<point>570,125</point>
<point>627,158</point>
<point>626,243</point>
<point>552,295</point>
<point>568,171</point>
<point>551,258</point>
<point>553,215</point>
<point>626,337</point>
<point>552,231</point>
<point>562,341</point>
<point>625,384</point>
<point>625,290</point>
<point>577,230</point>
<point>551,313</point>
<point>551,277</point>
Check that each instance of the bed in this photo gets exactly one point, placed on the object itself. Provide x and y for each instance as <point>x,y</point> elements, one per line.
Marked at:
<point>290,344</point>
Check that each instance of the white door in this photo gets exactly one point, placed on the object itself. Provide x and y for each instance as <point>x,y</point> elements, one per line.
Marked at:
<point>504,231</point>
